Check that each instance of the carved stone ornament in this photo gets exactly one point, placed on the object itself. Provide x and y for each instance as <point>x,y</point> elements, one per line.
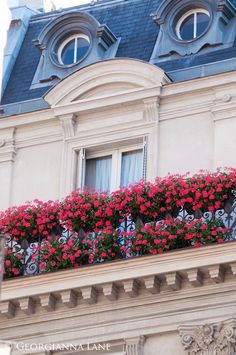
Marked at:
<point>134,346</point>
<point>210,339</point>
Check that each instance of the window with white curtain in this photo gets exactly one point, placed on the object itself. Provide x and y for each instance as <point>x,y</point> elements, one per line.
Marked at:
<point>107,170</point>
<point>131,167</point>
<point>98,173</point>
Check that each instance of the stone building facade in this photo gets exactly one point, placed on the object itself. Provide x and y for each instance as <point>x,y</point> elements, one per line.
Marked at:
<point>113,80</point>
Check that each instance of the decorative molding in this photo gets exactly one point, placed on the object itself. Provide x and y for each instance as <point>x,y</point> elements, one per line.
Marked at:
<point>2,143</point>
<point>110,291</point>
<point>134,346</point>
<point>105,37</point>
<point>195,277</point>
<point>27,305</point>
<point>152,284</point>
<point>173,280</point>
<point>210,339</point>
<point>48,302</point>
<point>7,145</point>
<point>151,109</point>
<point>146,80</point>
<point>131,287</point>
<point>81,287</point>
<point>69,298</point>
<point>89,294</point>
<point>68,125</point>
<point>8,309</point>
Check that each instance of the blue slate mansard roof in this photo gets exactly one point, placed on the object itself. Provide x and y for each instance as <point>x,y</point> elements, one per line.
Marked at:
<point>128,20</point>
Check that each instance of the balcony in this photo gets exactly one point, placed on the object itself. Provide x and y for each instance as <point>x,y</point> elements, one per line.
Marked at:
<point>142,267</point>
<point>91,228</point>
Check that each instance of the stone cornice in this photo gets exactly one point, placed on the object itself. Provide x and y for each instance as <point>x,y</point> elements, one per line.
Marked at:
<point>170,272</point>
<point>204,86</point>
<point>108,101</point>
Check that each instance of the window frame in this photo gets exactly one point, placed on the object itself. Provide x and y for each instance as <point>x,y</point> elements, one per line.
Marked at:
<point>66,41</point>
<point>116,154</point>
<point>193,12</point>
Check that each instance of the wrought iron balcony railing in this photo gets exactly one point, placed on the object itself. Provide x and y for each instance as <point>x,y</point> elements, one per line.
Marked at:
<point>30,249</point>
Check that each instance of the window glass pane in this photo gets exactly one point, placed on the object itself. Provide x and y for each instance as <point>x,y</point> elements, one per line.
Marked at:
<point>187,28</point>
<point>82,48</point>
<point>202,23</point>
<point>98,173</point>
<point>67,55</point>
<point>131,167</point>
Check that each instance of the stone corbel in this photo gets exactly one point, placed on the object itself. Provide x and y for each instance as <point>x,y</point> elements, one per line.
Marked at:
<point>151,109</point>
<point>226,9</point>
<point>134,346</point>
<point>210,339</point>
<point>7,145</point>
<point>105,37</point>
<point>68,125</point>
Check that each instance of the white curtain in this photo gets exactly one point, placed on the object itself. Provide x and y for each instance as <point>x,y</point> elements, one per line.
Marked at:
<point>98,173</point>
<point>131,167</point>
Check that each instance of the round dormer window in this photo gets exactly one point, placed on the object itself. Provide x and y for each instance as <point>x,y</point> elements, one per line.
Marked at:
<point>73,49</point>
<point>192,24</point>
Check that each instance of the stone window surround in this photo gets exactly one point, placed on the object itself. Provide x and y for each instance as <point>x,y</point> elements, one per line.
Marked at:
<point>218,33</point>
<point>116,155</point>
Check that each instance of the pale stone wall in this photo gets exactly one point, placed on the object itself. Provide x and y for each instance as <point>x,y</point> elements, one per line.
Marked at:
<point>189,125</point>
<point>163,344</point>
<point>36,168</point>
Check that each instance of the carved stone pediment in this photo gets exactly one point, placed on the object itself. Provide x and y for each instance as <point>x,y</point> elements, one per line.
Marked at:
<point>210,339</point>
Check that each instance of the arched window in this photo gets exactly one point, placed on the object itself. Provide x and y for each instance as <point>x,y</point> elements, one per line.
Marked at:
<point>192,24</point>
<point>73,49</point>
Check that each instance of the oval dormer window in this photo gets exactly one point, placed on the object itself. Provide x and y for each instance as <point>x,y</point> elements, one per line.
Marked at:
<point>73,49</point>
<point>192,24</point>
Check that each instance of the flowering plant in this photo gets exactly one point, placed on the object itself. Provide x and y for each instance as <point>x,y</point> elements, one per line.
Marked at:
<point>93,219</point>
<point>57,253</point>
<point>91,212</point>
<point>13,263</point>
<point>173,234</point>
<point>105,246</point>
<point>31,220</point>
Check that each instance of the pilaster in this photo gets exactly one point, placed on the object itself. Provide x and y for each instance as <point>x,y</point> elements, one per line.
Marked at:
<point>68,155</point>
<point>134,346</point>
<point>151,116</point>
<point>7,157</point>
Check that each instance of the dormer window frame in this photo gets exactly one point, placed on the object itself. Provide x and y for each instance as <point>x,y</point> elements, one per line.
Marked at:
<point>74,37</point>
<point>169,44</point>
<point>103,45</point>
<point>194,12</point>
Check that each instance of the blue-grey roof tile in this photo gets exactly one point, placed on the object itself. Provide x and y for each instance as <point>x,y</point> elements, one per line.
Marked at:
<point>130,20</point>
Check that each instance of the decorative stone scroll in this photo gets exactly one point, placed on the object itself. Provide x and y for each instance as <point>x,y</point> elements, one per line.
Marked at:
<point>210,339</point>
<point>134,346</point>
